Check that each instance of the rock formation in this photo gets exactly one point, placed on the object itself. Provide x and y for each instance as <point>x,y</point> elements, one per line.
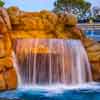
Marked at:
<point>15,23</point>
<point>8,78</point>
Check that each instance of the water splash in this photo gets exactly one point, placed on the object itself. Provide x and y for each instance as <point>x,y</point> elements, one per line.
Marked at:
<point>51,61</point>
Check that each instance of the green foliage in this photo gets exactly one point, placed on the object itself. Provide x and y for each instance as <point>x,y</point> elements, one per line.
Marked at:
<point>1,3</point>
<point>77,7</point>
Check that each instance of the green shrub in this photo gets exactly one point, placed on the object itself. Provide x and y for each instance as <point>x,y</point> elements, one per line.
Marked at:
<point>1,3</point>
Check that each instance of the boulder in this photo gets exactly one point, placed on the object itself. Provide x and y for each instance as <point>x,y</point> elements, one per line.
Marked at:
<point>71,20</point>
<point>93,51</point>
<point>2,82</point>
<point>8,76</point>
<point>11,79</point>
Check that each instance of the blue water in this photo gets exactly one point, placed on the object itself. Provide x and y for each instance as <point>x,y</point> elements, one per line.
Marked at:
<point>91,92</point>
<point>93,34</point>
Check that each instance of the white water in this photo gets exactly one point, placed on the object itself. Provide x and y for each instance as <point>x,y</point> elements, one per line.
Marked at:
<point>62,87</point>
<point>51,61</point>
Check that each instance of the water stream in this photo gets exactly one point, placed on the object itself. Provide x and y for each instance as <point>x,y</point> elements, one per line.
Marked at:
<point>51,61</point>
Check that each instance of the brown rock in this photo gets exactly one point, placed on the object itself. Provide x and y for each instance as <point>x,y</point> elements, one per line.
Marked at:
<point>6,62</point>
<point>1,68</point>
<point>11,79</point>
<point>2,48</point>
<point>93,51</point>
<point>14,14</point>
<point>7,71</point>
<point>71,20</point>
<point>3,26</point>
<point>2,82</point>
<point>96,70</point>
<point>31,34</point>
<point>5,46</point>
<point>8,79</point>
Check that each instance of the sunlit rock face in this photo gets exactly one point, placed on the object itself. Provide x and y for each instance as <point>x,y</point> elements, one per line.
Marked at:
<point>43,24</point>
<point>8,77</point>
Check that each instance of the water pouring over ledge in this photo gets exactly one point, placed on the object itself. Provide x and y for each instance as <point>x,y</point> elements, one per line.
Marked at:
<point>51,61</point>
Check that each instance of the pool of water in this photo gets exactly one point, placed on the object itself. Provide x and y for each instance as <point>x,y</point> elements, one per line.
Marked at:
<point>93,34</point>
<point>83,92</point>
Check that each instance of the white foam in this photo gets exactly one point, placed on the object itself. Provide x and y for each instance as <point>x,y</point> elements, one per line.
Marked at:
<point>61,87</point>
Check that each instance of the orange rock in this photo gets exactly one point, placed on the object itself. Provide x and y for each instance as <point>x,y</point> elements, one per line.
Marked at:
<point>71,20</point>
<point>1,68</point>
<point>8,78</point>
<point>6,62</point>
<point>2,82</point>
<point>7,74</point>
<point>11,79</point>
<point>2,48</point>
<point>96,70</point>
<point>5,46</point>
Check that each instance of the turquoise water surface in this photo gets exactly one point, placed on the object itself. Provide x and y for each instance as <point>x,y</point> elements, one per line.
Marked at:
<point>85,92</point>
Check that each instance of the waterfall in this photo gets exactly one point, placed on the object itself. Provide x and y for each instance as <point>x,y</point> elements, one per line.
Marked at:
<point>51,61</point>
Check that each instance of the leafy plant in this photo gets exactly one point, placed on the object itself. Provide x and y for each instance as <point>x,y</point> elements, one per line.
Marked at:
<point>77,7</point>
<point>1,3</point>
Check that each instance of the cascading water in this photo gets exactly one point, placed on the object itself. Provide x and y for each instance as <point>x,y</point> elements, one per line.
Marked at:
<point>51,61</point>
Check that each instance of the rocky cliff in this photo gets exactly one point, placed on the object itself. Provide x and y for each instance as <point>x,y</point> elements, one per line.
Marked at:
<point>15,23</point>
<point>8,77</point>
